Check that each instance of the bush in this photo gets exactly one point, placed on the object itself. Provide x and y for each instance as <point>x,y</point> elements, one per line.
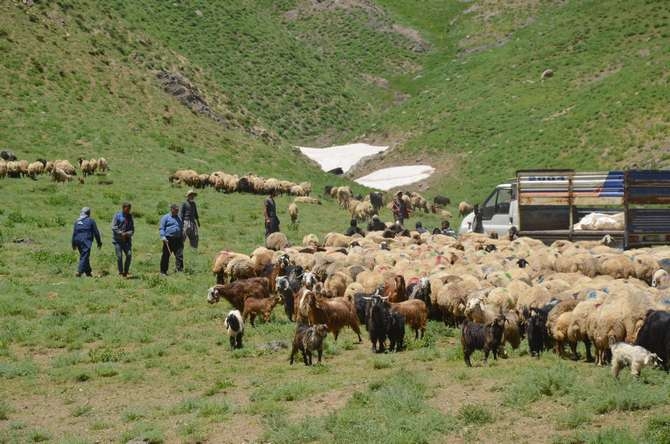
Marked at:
<point>474,414</point>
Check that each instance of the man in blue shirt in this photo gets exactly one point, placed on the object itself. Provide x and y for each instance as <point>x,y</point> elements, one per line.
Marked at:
<point>170,230</point>
<point>123,228</point>
<point>85,230</point>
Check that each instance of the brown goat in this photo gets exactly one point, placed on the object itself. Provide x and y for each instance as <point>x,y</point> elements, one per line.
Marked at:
<point>254,307</point>
<point>415,313</point>
<point>394,289</point>
<point>336,313</point>
<point>236,292</point>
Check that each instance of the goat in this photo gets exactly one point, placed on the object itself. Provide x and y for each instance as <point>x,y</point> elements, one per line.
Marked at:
<point>487,337</point>
<point>308,339</point>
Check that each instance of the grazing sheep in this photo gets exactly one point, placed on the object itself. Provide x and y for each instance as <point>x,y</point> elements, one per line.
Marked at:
<point>7,155</point>
<point>464,208</point>
<point>235,328</point>
<point>85,166</point>
<point>307,200</point>
<point>240,267</point>
<point>634,355</point>
<point>277,241</point>
<point>254,307</point>
<point>58,175</point>
<point>308,339</point>
<point>293,212</point>
<point>441,200</point>
<point>66,166</point>
<point>103,166</point>
<point>35,169</point>
<point>475,336</point>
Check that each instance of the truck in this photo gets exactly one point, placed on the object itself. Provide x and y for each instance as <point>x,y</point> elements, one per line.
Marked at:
<point>549,204</point>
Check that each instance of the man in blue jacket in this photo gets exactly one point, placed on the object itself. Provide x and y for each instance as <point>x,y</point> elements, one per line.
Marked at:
<point>123,228</point>
<point>170,230</point>
<point>85,230</point>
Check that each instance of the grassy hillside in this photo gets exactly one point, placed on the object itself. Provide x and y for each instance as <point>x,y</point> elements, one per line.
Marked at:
<point>106,359</point>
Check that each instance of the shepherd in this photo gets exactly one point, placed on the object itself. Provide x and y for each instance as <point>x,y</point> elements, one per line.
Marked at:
<point>85,230</point>
<point>189,216</point>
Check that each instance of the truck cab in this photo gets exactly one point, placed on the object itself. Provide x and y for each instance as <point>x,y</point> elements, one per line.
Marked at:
<point>500,211</point>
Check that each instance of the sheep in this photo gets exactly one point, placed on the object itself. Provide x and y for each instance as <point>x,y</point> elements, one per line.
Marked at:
<point>13,169</point>
<point>336,313</point>
<point>35,169</point>
<point>7,155</point>
<point>23,167</point>
<point>240,267</point>
<point>85,166</point>
<point>618,266</point>
<point>488,337</point>
<point>264,307</point>
<point>464,208</point>
<point>66,166</point>
<point>308,339</point>
<point>235,328</point>
<point>277,241</point>
<point>307,187</point>
<point>336,240</point>
<point>293,212</point>
<point>660,279</point>
<point>297,190</point>
<point>236,292</point>
<point>418,202</point>
<point>307,200</point>
<point>343,195</point>
<point>220,264</point>
<point>58,175</point>
<point>103,166</point>
<point>336,284</point>
<point>415,314</point>
<point>310,240</point>
<point>637,357</point>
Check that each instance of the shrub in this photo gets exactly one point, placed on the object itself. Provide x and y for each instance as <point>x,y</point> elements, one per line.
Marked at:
<point>474,414</point>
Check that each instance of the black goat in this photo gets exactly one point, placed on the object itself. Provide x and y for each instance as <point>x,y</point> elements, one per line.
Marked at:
<point>487,337</point>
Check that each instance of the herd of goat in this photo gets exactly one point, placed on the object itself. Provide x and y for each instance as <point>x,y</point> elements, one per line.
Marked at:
<point>60,170</point>
<point>499,291</point>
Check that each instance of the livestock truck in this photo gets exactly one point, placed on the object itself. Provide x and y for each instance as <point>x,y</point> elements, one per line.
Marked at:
<point>550,204</point>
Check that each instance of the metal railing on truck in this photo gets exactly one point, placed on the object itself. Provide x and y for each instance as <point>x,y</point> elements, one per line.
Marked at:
<point>647,207</point>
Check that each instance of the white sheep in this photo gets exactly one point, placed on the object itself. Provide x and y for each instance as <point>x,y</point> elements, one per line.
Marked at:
<point>235,328</point>
<point>293,212</point>
<point>634,355</point>
<point>661,279</point>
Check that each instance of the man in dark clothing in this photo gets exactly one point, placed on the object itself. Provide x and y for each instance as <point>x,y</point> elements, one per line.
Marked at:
<point>353,229</point>
<point>170,229</point>
<point>189,216</point>
<point>376,224</point>
<point>85,230</point>
<point>399,208</point>
<point>270,213</point>
<point>419,228</point>
<point>123,228</point>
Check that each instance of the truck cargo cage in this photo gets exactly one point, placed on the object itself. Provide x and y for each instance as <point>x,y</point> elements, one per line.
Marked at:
<point>647,207</point>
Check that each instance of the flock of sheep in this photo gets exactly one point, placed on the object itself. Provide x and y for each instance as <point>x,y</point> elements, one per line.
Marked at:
<point>231,183</point>
<point>60,170</point>
<point>557,295</point>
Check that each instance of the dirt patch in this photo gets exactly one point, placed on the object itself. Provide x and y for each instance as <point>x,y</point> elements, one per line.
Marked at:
<point>320,404</point>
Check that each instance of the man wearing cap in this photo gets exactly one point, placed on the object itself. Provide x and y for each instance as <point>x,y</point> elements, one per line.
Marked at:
<point>376,224</point>
<point>85,230</point>
<point>123,228</point>
<point>170,229</point>
<point>189,216</point>
<point>270,214</point>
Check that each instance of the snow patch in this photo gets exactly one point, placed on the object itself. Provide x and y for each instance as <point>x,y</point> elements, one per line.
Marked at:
<point>388,178</point>
<point>343,156</point>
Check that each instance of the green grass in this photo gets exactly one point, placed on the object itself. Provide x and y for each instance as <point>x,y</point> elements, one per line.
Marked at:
<point>147,357</point>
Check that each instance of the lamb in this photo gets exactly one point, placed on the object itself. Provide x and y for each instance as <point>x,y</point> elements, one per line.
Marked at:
<point>308,339</point>
<point>236,292</point>
<point>488,337</point>
<point>336,313</point>
<point>254,307</point>
<point>235,328</point>
<point>277,241</point>
<point>634,355</point>
<point>293,212</point>
<point>464,208</point>
<point>415,314</point>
